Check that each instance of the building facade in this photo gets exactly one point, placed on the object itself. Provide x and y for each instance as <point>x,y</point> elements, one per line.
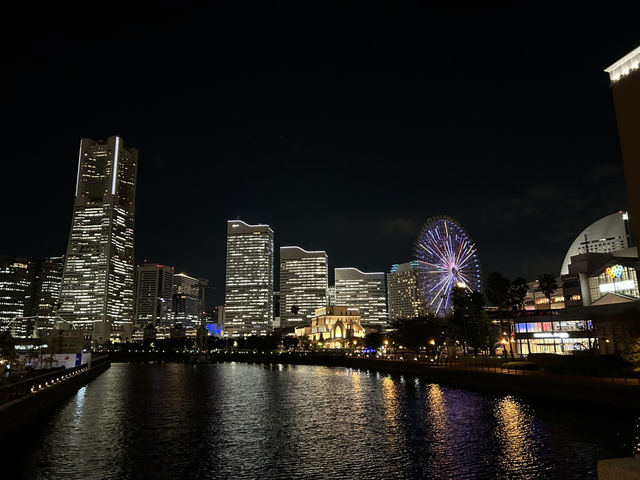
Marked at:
<point>304,280</point>
<point>535,299</point>
<point>593,276</point>
<point>47,293</point>
<point>366,291</point>
<point>609,234</point>
<point>555,331</point>
<point>154,295</point>
<point>98,277</point>
<point>248,279</point>
<point>334,327</point>
<point>187,301</point>
<point>331,295</point>
<point>17,294</point>
<point>625,86</point>
<point>403,292</point>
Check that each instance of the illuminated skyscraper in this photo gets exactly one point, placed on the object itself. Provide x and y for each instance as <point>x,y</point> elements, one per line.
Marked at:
<point>97,282</point>
<point>304,280</point>
<point>403,290</point>
<point>187,303</point>
<point>249,279</point>
<point>47,293</point>
<point>625,85</point>
<point>17,282</point>
<point>364,290</point>
<point>154,293</point>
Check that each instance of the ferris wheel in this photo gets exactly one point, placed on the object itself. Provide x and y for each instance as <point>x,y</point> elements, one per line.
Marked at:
<point>447,259</point>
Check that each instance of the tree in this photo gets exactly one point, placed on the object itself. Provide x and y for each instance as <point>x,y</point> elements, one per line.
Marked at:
<point>290,343</point>
<point>498,293</point>
<point>460,317</point>
<point>632,355</point>
<point>418,332</point>
<point>516,294</point>
<point>7,346</point>
<point>374,340</point>
<point>547,284</point>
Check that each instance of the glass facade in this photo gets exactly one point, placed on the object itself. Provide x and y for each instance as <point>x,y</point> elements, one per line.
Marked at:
<point>403,290</point>
<point>17,280</point>
<point>249,279</point>
<point>154,295</point>
<point>186,300</point>
<point>98,276</point>
<point>554,336</point>
<point>614,279</point>
<point>364,290</point>
<point>304,280</point>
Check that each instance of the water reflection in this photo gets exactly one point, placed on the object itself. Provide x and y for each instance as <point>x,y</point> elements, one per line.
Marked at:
<point>390,398</point>
<point>256,421</point>
<point>515,435</point>
<point>438,439</point>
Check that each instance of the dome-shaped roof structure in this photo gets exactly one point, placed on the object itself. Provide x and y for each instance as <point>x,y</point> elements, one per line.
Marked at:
<point>606,235</point>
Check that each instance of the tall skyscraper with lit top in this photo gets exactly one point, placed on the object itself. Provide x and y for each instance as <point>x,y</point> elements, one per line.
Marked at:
<point>304,280</point>
<point>98,276</point>
<point>249,279</point>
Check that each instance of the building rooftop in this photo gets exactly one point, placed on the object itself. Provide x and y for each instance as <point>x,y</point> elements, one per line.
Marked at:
<point>624,66</point>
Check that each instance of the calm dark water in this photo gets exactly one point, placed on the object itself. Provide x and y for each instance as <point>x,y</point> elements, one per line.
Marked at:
<point>234,420</point>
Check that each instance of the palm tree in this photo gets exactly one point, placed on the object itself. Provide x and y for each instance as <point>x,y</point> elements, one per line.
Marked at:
<point>547,284</point>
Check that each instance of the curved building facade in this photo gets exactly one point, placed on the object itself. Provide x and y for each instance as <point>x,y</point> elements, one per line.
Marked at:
<point>367,291</point>
<point>609,234</point>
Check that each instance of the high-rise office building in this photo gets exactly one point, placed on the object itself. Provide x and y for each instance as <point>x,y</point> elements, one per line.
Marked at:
<point>99,270</point>
<point>331,295</point>
<point>304,280</point>
<point>47,293</point>
<point>187,303</point>
<point>154,294</point>
<point>249,279</point>
<point>403,290</point>
<point>366,291</point>
<point>625,85</point>
<point>17,295</point>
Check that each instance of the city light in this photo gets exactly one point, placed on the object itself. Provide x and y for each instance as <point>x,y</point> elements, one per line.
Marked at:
<point>446,258</point>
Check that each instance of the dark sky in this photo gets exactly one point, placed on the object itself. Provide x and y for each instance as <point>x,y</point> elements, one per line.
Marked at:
<point>344,129</point>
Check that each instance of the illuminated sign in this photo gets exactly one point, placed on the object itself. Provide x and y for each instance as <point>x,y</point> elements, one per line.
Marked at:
<point>551,335</point>
<point>614,272</point>
<point>617,286</point>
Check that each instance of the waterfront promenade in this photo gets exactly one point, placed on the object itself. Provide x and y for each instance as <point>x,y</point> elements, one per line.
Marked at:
<point>25,401</point>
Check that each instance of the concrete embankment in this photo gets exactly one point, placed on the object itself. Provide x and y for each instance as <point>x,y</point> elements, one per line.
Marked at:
<point>28,409</point>
<point>599,390</point>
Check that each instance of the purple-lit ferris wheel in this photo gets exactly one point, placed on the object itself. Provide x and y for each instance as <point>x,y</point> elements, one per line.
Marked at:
<point>447,258</point>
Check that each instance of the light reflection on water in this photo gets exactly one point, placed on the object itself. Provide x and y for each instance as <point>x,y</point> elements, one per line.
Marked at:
<point>517,438</point>
<point>239,420</point>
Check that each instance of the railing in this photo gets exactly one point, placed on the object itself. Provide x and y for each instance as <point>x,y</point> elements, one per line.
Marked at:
<point>42,382</point>
<point>559,377</point>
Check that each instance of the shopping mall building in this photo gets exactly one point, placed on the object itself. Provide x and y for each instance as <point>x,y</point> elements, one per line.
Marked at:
<point>597,302</point>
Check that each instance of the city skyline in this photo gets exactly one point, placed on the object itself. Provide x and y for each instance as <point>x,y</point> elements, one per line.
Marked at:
<point>529,125</point>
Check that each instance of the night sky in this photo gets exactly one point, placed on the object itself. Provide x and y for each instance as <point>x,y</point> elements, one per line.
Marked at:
<point>343,129</point>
